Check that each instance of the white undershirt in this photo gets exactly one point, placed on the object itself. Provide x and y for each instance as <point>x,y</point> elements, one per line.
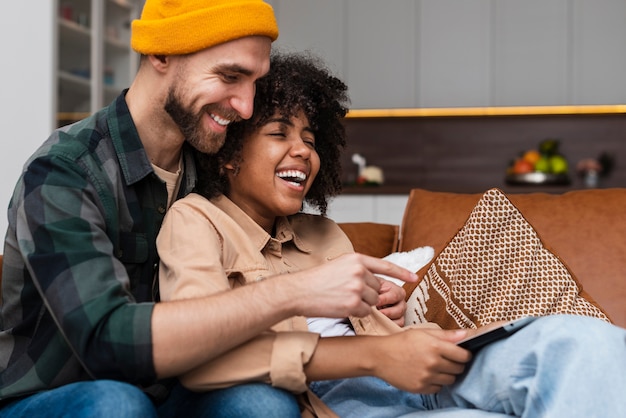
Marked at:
<point>330,327</point>
<point>172,180</point>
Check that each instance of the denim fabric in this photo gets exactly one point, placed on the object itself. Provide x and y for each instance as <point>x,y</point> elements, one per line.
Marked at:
<point>97,399</point>
<point>366,397</point>
<point>243,401</point>
<point>108,398</point>
<point>558,366</point>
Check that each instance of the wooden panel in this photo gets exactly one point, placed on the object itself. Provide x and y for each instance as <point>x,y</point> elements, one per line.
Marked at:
<point>471,154</point>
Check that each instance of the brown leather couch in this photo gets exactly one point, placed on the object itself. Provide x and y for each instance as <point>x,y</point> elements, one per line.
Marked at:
<point>586,229</point>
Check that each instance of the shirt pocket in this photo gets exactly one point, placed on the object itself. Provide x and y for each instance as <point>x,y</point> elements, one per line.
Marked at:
<point>132,248</point>
<point>133,251</point>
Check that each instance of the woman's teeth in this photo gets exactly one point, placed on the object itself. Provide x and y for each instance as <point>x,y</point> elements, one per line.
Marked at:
<point>292,176</point>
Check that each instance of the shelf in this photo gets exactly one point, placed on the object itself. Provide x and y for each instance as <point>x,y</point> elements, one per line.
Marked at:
<point>117,44</point>
<point>538,179</point>
<point>74,92</point>
<point>376,190</point>
<point>95,61</point>
<point>76,81</point>
<point>122,4</point>
<point>73,28</point>
<point>71,116</point>
<point>487,111</point>
<point>74,38</point>
<point>111,92</point>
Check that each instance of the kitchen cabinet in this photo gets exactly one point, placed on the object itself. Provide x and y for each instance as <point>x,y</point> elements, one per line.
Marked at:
<point>382,208</point>
<point>531,48</point>
<point>474,53</point>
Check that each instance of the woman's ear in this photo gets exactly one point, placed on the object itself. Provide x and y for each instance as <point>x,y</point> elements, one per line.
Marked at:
<point>233,168</point>
<point>228,167</point>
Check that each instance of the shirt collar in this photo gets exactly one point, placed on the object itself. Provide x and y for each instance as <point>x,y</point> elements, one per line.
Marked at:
<point>284,229</point>
<point>131,152</point>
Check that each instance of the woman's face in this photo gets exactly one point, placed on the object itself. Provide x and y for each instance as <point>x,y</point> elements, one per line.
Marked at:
<point>278,165</point>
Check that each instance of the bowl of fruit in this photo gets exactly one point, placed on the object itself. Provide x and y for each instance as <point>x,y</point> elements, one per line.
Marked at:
<point>543,165</point>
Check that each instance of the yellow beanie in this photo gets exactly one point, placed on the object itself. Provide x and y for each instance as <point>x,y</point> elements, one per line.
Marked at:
<point>174,27</point>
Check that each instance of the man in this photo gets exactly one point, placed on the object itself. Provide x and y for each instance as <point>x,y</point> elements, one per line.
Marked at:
<point>80,331</point>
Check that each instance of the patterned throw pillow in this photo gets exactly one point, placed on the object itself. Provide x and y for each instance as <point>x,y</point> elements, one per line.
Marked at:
<point>495,268</point>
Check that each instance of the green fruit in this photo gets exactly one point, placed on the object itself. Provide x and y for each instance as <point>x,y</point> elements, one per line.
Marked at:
<point>558,164</point>
<point>549,147</point>
<point>543,164</point>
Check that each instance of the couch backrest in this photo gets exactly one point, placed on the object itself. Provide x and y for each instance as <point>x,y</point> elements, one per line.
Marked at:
<point>375,239</point>
<point>585,228</point>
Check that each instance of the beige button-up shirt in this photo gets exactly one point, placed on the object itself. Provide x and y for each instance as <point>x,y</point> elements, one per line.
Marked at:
<point>212,246</point>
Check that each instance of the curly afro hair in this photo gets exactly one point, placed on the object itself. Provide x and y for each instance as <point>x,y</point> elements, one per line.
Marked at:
<point>296,82</point>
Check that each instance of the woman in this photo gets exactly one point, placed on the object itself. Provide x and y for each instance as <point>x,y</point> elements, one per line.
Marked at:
<point>246,225</point>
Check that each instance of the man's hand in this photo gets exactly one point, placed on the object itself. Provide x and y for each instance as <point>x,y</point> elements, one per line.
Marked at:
<point>391,301</point>
<point>344,286</point>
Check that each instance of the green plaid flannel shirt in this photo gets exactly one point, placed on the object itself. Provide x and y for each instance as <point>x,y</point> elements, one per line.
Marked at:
<point>80,258</point>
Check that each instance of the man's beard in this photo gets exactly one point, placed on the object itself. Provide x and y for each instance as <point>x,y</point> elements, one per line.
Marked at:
<point>190,124</point>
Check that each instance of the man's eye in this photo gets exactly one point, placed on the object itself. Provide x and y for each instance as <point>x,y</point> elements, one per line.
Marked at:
<point>230,78</point>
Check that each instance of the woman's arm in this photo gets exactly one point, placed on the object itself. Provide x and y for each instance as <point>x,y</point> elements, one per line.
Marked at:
<point>416,360</point>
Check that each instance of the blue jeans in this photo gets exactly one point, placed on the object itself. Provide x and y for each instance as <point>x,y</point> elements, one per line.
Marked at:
<point>558,366</point>
<point>107,398</point>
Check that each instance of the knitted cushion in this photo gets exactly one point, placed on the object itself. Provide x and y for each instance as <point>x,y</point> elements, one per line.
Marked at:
<point>496,267</point>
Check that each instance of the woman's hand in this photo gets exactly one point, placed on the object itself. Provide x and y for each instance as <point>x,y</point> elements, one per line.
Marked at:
<point>422,360</point>
<point>391,301</point>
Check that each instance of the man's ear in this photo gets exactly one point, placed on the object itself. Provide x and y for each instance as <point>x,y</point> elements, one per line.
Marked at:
<point>159,62</point>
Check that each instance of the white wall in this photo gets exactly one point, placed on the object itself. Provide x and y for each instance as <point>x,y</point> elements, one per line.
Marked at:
<point>26,42</point>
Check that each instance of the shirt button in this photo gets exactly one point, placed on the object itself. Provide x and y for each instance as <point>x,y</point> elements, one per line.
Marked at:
<point>161,210</point>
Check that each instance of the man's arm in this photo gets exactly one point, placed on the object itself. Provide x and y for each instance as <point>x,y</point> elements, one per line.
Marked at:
<point>187,333</point>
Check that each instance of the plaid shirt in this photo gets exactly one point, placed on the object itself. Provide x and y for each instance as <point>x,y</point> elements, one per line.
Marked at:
<point>80,258</point>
